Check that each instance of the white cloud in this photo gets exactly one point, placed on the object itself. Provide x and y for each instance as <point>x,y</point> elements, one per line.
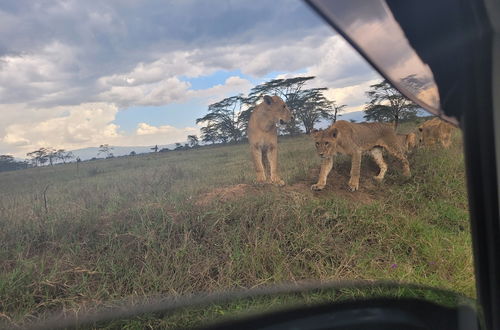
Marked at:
<point>63,127</point>
<point>145,129</point>
<point>232,86</point>
<point>85,125</point>
<point>166,134</point>
<point>159,93</point>
<point>353,96</point>
<point>167,66</point>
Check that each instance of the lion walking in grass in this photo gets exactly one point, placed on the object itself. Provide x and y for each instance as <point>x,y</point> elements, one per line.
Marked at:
<point>353,139</point>
<point>263,137</point>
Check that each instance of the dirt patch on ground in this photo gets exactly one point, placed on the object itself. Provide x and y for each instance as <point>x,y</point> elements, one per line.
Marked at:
<point>336,186</point>
<point>231,193</point>
<point>369,189</point>
<point>225,194</point>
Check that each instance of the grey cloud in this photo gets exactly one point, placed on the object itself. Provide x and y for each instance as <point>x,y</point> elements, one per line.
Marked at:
<point>111,37</point>
<point>136,26</point>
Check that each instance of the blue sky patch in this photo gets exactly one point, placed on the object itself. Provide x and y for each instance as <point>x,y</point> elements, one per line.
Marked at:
<point>175,114</point>
<point>217,78</point>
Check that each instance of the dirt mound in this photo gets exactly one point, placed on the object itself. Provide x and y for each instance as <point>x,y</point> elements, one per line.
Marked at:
<point>337,185</point>
<point>298,191</point>
<point>231,193</point>
<point>369,189</point>
<point>225,194</point>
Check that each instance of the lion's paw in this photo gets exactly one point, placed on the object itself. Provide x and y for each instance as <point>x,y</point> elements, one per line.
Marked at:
<point>260,182</point>
<point>317,187</point>
<point>278,182</point>
<point>353,187</point>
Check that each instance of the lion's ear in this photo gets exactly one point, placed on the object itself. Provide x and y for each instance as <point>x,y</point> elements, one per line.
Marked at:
<point>420,129</point>
<point>268,99</point>
<point>335,132</point>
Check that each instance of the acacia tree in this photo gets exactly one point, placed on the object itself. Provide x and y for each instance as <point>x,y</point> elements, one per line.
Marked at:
<point>387,104</point>
<point>51,155</point>
<point>59,154</point>
<point>311,106</point>
<point>228,119</point>
<point>8,163</point>
<point>62,155</point>
<point>193,140</point>
<point>378,112</point>
<point>210,134</point>
<point>336,110</point>
<point>223,118</point>
<point>38,157</point>
<point>288,89</point>
<point>68,156</point>
<point>106,150</point>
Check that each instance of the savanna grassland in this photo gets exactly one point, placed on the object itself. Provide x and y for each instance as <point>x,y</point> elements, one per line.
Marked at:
<point>192,221</point>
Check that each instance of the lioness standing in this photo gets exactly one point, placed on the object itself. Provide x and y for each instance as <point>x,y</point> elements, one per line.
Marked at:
<point>354,139</point>
<point>263,136</point>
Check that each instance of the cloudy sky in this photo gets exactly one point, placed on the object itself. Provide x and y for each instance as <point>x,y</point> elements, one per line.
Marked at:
<point>75,74</point>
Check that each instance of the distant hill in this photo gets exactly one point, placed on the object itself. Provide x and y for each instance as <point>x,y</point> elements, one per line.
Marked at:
<point>88,153</point>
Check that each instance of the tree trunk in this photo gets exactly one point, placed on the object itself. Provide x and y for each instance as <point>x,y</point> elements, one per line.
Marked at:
<point>396,122</point>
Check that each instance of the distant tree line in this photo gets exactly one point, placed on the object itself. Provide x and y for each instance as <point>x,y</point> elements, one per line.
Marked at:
<point>8,163</point>
<point>49,155</point>
<point>36,158</point>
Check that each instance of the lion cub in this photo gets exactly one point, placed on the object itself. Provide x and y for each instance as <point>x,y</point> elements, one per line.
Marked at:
<point>263,137</point>
<point>354,139</point>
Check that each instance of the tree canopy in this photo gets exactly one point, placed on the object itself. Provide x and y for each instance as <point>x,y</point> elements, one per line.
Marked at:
<point>227,120</point>
<point>388,104</point>
<point>223,120</point>
<point>288,89</point>
<point>8,163</point>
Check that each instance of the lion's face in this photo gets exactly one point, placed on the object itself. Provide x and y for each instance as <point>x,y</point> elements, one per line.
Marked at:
<point>326,142</point>
<point>278,109</point>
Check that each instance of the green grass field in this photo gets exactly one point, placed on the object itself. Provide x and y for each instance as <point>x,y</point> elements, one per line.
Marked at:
<point>192,221</point>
